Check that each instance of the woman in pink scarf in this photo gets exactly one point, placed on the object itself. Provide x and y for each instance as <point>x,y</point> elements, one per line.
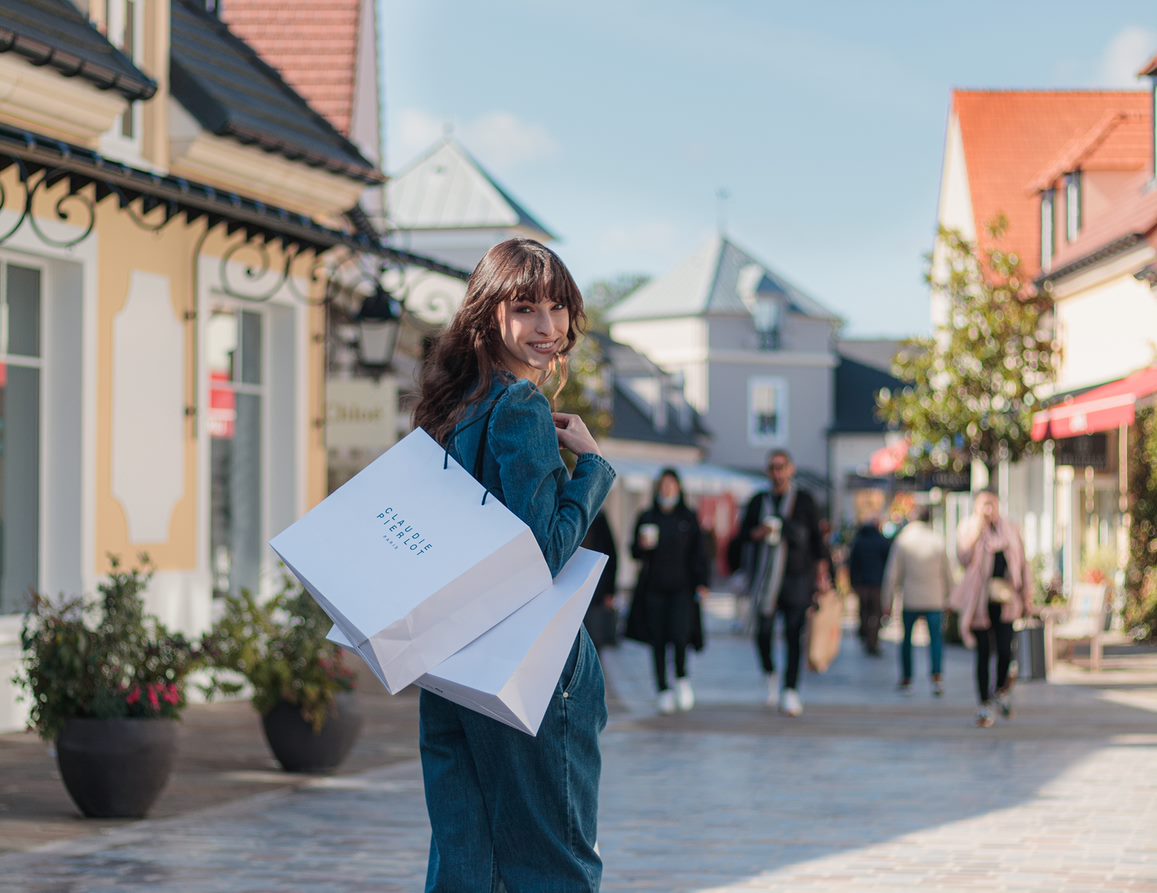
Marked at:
<point>996,590</point>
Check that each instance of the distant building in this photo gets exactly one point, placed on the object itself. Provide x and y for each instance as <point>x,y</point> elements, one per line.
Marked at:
<point>755,353</point>
<point>857,433</point>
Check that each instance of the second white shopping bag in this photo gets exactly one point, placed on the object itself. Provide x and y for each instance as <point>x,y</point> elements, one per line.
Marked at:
<point>411,561</point>
<point>510,672</point>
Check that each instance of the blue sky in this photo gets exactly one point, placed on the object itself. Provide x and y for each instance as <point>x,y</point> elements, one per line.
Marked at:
<point>617,123</point>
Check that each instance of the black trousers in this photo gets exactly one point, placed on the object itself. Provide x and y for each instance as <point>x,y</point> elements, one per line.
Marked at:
<point>871,611</point>
<point>1001,634</point>
<point>669,611</point>
<point>794,621</point>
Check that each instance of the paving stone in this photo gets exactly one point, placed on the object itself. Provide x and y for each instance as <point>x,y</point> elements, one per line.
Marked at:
<point>867,791</point>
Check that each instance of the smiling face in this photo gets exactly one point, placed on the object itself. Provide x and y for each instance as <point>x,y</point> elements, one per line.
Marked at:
<point>532,333</point>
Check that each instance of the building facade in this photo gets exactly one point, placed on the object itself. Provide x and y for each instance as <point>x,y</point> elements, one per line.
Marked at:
<point>163,239</point>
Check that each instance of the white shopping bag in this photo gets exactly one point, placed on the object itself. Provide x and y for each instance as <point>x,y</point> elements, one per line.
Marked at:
<point>510,672</point>
<point>409,563</point>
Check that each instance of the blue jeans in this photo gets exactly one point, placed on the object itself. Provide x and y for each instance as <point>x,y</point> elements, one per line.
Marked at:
<point>935,621</point>
<point>512,812</point>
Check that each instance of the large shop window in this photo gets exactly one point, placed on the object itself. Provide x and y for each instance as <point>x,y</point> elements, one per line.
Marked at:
<point>767,412</point>
<point>236,399</point>
<point>20,378</point>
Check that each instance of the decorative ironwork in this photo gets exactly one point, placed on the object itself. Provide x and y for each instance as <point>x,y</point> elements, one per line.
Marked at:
<point>70,207</point>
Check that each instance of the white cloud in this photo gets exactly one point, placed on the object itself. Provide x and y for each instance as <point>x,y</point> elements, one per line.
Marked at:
<point>1127,52</point>
<point>506,141</point>
<point>500,139</point>
<point>413,132</point>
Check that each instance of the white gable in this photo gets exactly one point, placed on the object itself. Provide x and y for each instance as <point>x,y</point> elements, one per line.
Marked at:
<point>719,278</point>
<point>447,189</point>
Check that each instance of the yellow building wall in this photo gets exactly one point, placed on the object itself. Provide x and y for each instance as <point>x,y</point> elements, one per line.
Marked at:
<point>125,248</point>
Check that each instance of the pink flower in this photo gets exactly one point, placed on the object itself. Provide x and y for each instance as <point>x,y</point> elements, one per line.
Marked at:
<point>154,701</point>
<point>134,695</point>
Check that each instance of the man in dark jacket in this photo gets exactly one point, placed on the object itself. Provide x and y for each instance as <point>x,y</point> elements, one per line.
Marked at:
<point>787,562</point>
<point>866,563</point>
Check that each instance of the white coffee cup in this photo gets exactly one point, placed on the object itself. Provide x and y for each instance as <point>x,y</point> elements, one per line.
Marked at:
<point>774,525</point>
<point>648,535</point>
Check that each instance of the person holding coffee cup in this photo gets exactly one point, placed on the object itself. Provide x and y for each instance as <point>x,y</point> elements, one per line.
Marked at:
<point>673,576</point>
<point>787,562</point>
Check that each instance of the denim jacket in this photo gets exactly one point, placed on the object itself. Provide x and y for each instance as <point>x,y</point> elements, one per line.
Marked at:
<point>524,469</point>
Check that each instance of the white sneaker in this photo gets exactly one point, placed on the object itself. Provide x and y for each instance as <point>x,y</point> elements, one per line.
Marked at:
<point>666,701</point>
<point>772,689</point>
<point>684,696</point>
<point>789,703</point>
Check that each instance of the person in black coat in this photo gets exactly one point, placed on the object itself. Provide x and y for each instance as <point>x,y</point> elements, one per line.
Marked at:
<point>601,619</point>
<point>787,561</point>
<point>866,563</point>
<point>665,610</point>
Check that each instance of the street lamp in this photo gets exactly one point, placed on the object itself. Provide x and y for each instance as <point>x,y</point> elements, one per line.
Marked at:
<point>378,323</point>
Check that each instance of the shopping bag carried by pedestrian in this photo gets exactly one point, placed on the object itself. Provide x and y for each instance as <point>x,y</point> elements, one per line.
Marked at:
<point>412,561</point>
<point>510,672</point>
<point>825,631</point>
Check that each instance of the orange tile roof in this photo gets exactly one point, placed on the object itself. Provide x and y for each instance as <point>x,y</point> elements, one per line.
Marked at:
<point>313,43</point>
<point>1120,141</point>
<point>1135,215</point>
<point>1009,137</point>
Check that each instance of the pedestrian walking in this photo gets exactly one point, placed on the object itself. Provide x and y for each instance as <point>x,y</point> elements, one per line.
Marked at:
<point>919,578</point>
<point>789,562</point>
<point>602,617</point>
<point>506,808</point>
<point>673,577</point>
<point>866,562</point>
<point>996,590</point>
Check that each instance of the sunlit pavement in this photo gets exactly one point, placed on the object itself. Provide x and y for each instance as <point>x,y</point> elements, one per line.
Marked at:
<point>867,791</point>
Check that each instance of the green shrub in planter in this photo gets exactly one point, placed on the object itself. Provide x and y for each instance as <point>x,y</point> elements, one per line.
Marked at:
<point>279,647</point>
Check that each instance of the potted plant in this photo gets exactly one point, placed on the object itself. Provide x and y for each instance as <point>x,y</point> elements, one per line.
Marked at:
<point>106,683</point>
<point>302,684</point>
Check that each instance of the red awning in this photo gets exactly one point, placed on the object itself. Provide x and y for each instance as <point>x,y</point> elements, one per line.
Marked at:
<point>1101,409</point>
<point>889,459</point>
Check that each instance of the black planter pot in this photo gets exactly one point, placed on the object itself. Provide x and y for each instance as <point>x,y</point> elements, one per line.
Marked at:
<point>116,768</point>
<point>298,748</point>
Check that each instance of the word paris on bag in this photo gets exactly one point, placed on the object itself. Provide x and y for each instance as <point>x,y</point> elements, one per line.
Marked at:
<point>411,561</point>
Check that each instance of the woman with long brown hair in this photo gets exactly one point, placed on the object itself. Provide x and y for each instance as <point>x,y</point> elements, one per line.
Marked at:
<point>506,808</point>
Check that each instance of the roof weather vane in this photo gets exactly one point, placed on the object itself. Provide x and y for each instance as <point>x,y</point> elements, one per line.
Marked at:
<point>722,195</point>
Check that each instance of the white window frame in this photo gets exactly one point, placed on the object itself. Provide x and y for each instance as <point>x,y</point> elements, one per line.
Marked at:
<point>115,141</point>
<point>220,303</point>
<point>1047,228</point>
<point>1073,206</point>
<point>755,437</point>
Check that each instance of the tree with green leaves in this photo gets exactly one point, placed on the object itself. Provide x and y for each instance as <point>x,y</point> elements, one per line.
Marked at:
<point>970,390</point>
<point>1141,574</point>
<point>587,388</point>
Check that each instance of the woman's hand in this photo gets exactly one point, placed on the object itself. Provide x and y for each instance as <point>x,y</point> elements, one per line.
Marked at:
<point>703,592</point>
<point>573,434</point>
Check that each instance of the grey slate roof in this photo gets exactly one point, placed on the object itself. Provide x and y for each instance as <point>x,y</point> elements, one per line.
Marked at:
<point>232,92</point>
<point>856,385</point>
<point>712,281</point>
<point>634,407</point>
<point>55,33</point>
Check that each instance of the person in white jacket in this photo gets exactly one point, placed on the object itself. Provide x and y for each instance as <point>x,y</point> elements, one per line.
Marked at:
<point>918,574</point>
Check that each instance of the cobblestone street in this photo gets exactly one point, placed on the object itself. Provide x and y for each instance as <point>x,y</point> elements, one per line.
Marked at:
<point>867,791</point>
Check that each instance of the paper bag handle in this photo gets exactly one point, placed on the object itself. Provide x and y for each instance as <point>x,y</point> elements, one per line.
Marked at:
<point>480,459</point>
